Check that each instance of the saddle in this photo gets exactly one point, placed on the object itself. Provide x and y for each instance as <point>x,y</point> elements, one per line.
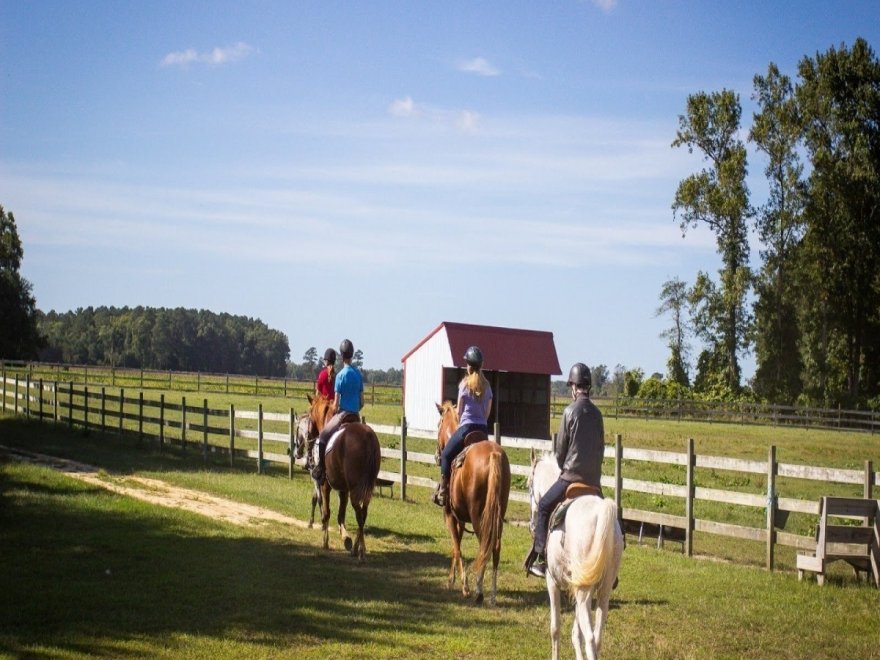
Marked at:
<point>575,490</point>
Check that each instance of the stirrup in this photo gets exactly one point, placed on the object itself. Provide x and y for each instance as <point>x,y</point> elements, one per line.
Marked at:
<point>538,567</point>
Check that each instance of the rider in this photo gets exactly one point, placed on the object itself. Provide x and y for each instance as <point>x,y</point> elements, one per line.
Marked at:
<point>474,406</point>
<point>324,384</point>
<point>349,400</point>
<point>579,449</point>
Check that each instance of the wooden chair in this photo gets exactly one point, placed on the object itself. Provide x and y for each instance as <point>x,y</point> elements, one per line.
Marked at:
<point>858,546</point>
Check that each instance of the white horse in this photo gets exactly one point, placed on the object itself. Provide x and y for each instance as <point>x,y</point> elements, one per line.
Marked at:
<point>302,436</point>
<point>583,555</point>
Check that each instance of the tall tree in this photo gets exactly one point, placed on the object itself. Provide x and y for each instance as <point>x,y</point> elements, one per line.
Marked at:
<point>19,336</point>
<point>718,197</point>
<point>776,130</point>
<point>839,96</point>
<point>673,301</point>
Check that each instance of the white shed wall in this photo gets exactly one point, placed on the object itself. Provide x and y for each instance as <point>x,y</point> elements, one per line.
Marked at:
<point>423,381</point>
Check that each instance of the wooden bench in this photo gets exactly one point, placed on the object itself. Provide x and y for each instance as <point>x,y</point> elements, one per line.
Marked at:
<point>858,546</point>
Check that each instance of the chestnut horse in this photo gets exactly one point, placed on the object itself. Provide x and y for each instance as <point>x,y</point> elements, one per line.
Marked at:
<point>351,466</point>
<point>478,492</point>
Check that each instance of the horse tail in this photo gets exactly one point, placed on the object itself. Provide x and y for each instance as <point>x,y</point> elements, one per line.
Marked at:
<point>588,568</point>
<point>362,491</point>
<point>492,520</point>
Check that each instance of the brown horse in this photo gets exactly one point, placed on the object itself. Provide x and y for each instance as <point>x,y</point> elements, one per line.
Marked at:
<point>478,492</point>
<point>351,468</point>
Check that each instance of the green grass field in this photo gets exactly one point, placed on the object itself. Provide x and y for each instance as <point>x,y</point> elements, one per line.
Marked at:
<point>90,573</point>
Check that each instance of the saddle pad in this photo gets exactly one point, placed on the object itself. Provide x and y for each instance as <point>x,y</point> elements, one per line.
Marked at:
<point>332,439</point>
<point>458,461</point>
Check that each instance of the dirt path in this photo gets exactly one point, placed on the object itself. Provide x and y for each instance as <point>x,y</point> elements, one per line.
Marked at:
<point>158,492</point>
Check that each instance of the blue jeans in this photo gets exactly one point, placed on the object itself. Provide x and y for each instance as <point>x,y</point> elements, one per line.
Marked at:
<point>456,444</point>
<point>554,495</point>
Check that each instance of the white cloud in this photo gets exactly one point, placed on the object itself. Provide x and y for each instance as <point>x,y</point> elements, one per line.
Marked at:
<point>403,107</point>
<point>479,66</point>
<point>215,56</point>
<point>605,5</point>
<point>464,120</point>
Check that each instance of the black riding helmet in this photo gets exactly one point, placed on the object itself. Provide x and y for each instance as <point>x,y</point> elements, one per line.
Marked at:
<point>474,357</point>
<point>580,376</point>
<point>330,356</point>
<point>346,349</point>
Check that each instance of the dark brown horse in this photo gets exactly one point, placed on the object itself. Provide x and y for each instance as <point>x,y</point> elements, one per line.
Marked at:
<point>478,492</point>
<point>351,467</point>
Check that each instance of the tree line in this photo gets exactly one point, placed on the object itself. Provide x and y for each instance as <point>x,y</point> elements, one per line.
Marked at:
<point>811,310</point>
<point>166,339</point>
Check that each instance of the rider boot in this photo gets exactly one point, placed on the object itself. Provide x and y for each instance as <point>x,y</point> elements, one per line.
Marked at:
<point>442,491</point>
<point>318,470</point>
<point>539,566</point>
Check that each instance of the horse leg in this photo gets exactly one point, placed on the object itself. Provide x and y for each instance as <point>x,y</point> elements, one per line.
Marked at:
<point>496,555</point>
<point>316,499</point>
<point>340,519</point>
<point>478,599</point>
<point>582,630</point>
<point>456,531</point>
<point>553,591</point>
<point>325,513</point>
<point>360,544</point>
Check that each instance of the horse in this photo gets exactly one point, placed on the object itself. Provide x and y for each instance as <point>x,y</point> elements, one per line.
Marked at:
<point>583,555</point>
<point>478,493</point>
<point>351,467</point>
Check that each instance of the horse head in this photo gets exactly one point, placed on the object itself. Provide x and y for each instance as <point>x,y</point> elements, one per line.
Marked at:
<point>305,431</point>
<point>446,426</point>
<point>320,410</point>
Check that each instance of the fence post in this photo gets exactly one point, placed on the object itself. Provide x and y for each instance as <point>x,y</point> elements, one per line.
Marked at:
<point>15,399</point>
<point>121,407</point>
<point>771,506</point>
<point>27,396</point>
<point>205,430</point>
<point>689,503</point>
<point>260,439</point>
<point>231,431</point>
<point>86,408</point>
<point>70,404</point>
<point>140,416</point>
<point>403,458</point>
<point>103,408</point>
<point>161,422</point>
<point>497,432</point>
<point>55,400</point>
<point>40,400</point>
<point>869,479</point>
<point>618,476</point>
<point>291,430</point>
<point>183,422</point>
<point>227,383</point>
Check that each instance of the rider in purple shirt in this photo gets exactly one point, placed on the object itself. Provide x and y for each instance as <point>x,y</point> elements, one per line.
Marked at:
<point>474,406</point>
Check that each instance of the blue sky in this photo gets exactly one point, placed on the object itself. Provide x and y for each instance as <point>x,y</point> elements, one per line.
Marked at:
<point>368,170</point>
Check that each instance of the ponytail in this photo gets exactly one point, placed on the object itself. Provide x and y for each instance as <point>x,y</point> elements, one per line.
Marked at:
<point>477,383</point>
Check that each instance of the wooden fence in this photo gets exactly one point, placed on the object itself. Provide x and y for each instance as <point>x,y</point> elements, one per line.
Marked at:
<point>270,436</point>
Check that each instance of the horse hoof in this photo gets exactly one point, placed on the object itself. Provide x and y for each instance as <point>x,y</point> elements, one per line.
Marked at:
<point>348,544</point>
<point>479,599</point>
